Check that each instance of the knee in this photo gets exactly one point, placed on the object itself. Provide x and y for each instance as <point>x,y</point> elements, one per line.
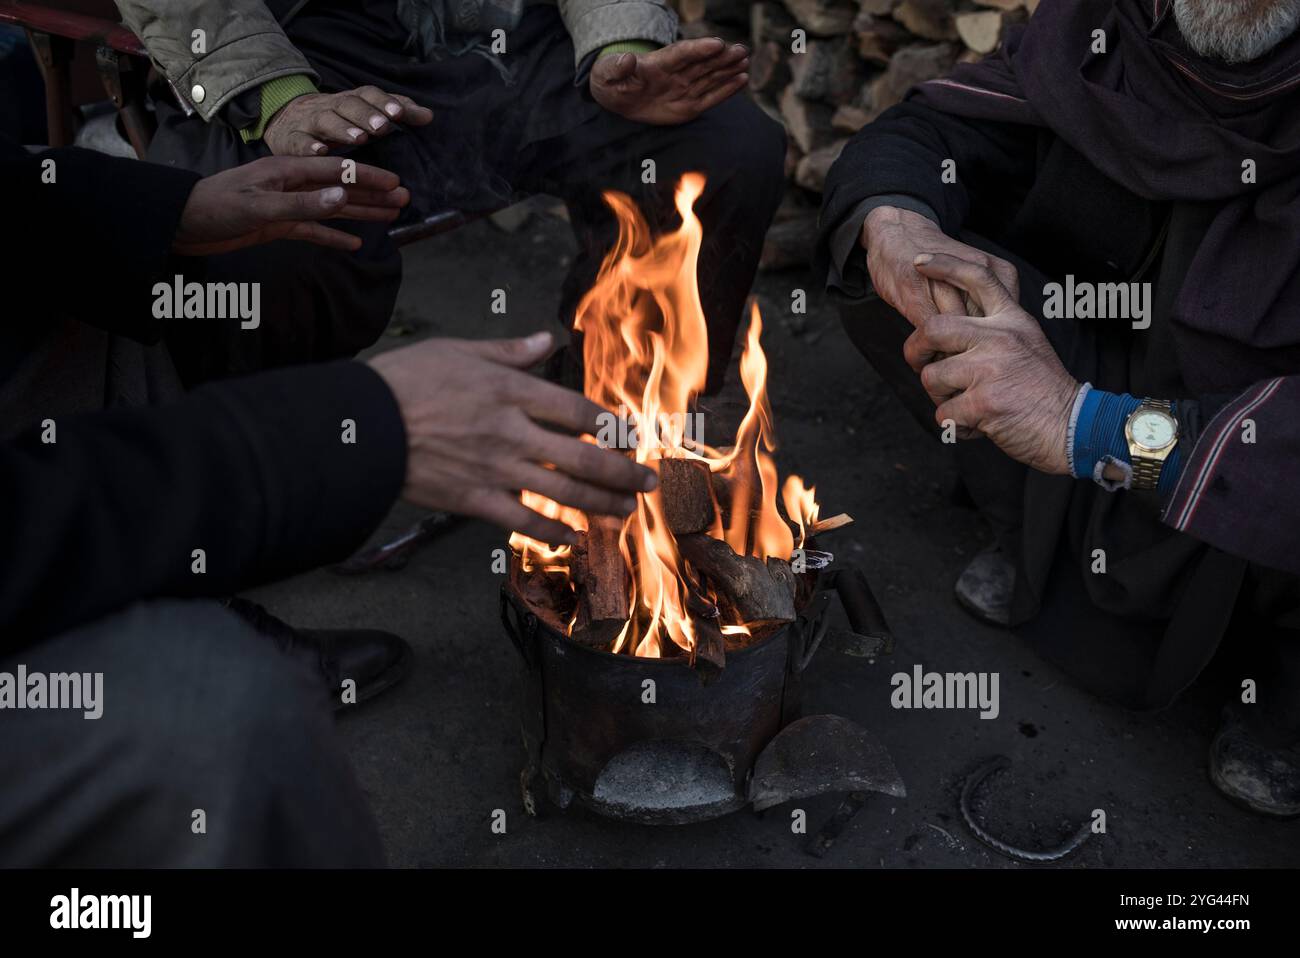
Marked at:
<point>204,699</point>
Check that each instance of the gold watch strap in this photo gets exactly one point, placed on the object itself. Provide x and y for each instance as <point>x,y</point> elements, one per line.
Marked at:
<point>1146,471</point>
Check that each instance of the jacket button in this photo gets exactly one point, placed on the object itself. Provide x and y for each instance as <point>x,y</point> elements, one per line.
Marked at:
<point>198,93</point>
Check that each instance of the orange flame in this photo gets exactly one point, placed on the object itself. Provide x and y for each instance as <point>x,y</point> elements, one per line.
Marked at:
<point>801,505</point>
<point>645,352</point>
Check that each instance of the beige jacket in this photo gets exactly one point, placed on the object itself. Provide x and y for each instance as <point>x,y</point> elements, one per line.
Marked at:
<point>243,45</point>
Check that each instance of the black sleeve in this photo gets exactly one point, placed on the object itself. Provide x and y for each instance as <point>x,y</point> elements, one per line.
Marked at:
<point>254,472</point>
<point>904,152</point>
<point>94,232</point>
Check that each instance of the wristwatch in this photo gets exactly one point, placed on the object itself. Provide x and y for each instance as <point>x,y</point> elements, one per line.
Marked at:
<point>1152,433</point>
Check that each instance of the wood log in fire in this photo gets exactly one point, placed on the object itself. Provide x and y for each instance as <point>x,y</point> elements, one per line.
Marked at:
<point>544,594</point>
<point>710,656</point>
<point>686,494</point>
<point>602,581</point>
<point>743,583</point>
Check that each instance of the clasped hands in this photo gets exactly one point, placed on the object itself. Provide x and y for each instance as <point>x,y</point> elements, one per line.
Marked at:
<point>981,358</point>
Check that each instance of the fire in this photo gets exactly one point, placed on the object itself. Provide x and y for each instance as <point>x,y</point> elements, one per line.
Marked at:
<point>645,351</point>
<point>801,505</point>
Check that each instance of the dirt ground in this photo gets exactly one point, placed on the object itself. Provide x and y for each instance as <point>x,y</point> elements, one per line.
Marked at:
<point>440,753</point>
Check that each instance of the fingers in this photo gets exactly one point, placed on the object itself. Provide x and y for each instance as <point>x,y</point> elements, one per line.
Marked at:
<point>684,53</point>
<point>730,60</point>
<point>963,412</point>
<point>521,353</point>
<point>569,491</point>
<point>334,127</point>
<point>322,235</point>
<point>357,111</point>
<point>412,113</point>
<point>394,106</point>
<point>978,280</point>
<point>731,88</point>
<point>712,81</point>
<point>293,172</point>
<point>947,298</point>
<point>274,207</point>
<point>605,468</point>
<point>946,378</point>
<point>938,335</point>
<point>509,513</point>
<point>299,143</point>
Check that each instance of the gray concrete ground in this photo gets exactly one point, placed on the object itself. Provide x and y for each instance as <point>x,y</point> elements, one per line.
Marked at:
<point>439,754</point>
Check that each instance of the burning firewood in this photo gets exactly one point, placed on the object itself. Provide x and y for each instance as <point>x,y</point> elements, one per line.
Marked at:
<point>745,583</point>
<point>710,656</point>
<point>603,583</point>
<point>545,594</point>
<point>687,495</point>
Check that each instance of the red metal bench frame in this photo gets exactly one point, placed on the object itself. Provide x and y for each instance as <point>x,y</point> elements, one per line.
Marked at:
<point>123,65</point>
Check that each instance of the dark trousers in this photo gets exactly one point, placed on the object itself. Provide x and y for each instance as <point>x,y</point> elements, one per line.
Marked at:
<point>489,144</point>
<point>199,714</point>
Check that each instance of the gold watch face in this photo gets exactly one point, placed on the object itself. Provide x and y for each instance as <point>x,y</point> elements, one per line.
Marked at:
<point>1152,429</point>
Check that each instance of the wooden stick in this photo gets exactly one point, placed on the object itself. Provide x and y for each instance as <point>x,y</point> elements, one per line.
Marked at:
<point>829,524</point>
<point>687,495</point>
<point>743,582</point>
<point>603,583</point>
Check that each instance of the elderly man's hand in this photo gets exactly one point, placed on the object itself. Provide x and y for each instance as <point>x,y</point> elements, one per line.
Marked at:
<point>283,197</point>
<point>894,237</point>
<point>477,433</point>
<point>310,124</point>
<point>671,85</point>
<point>1000,376</point>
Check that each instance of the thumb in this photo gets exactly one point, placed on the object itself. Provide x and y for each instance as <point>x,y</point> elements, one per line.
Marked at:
<point>520,353</point>
<point>620,66</point>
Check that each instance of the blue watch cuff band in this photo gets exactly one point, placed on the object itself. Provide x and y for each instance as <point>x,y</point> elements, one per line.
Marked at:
<point>1096,436</point>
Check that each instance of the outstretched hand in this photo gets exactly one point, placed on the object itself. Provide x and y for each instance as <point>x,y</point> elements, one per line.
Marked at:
<point>671,85</point>
<point>283,197</point>
<point>479,428</point>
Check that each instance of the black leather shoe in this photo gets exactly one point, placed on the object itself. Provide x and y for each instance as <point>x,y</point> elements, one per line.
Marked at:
<point>374,660</point>
<point>1263,776</point>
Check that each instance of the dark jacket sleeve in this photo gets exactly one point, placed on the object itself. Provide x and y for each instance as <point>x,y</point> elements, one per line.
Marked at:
<point>904,151</point>
<point>254,472</point>
<point>1236,489</point>
<point>96,231</point>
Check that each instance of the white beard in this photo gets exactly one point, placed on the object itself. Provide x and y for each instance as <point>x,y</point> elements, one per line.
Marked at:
<point>1236,31</point>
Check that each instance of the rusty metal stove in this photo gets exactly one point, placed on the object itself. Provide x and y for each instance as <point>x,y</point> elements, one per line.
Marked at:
<point>646,740</point>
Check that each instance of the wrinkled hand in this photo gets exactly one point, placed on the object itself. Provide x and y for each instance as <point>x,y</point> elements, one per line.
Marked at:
<point>474,439</point>
<point>1000,376</point>
<point>308,125</point>
<point>894,237</point>
<point>284,198</point>
<point>670,85</point>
